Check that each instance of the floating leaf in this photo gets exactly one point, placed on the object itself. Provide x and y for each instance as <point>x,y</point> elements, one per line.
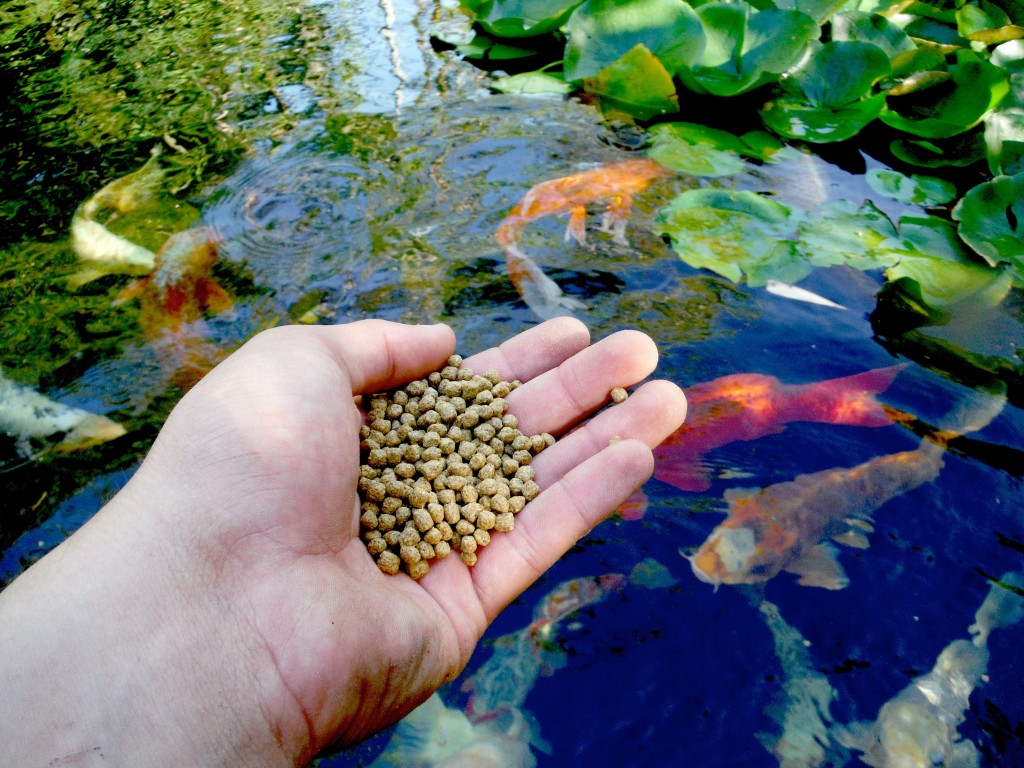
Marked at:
<point>795,119</point>
<point>1004,137</point>
<point>840,72</point>
<point>819,10</point>
<point>871,28</point>
<point>746,48</point>
<point>696,149</point>
<point>991,217</point>
<point>727,232</point>
<point>918,190</point>
<point>487,48</point>
<point>957,152</point>
<point>974,88</point>
<point>930,253</point>
<point>847,234</point>
<point>832,88</point>
<point>637,83</point>
<point>521,18</point>
<point>601,32</point>
<point>531,83</point>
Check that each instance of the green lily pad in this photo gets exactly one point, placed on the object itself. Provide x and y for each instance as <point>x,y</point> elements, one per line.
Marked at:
<point>795,119</point>
<point>746,48</point>
<point>974,88</point>
<point>955,152</point>
<point>839,73</point>
<point>726,231</point>
<point>487,48</point>
<point>991,217</point>
<point>696,149</point>
<point>532,83</point>
<point>637,84</point>
<point>871,28</point>
<point>918,190</point>
<point>1004,137</point>
<point>830,87</point>
<point>601,32</point>
<point>928,251</point>
<point>845,233</point>
<point>521,18</point>
<point>819,10</point>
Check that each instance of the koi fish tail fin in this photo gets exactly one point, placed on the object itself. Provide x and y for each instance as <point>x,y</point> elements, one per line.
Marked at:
<point>850,400</point>
<point>539,291</point>
<point>972,414</point>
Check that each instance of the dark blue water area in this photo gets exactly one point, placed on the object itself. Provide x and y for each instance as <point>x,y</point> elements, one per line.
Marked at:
<point>686,674</point>
<point>68,517</point>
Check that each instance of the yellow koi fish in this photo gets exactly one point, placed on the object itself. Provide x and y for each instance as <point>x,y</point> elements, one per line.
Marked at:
<point>613,184</point>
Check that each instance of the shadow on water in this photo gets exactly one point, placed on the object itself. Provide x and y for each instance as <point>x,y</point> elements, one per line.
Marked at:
<point>349,171</point>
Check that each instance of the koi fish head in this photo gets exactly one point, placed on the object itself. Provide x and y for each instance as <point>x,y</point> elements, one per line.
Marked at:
<point>726,557</point>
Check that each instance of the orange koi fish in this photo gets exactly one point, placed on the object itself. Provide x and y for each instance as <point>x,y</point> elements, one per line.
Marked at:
<point>746,406</point>
<point>612,183</point>
<point>783,527</point>
<point>177,295</point>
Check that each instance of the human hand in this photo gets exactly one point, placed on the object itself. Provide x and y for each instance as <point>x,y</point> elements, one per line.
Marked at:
<point>229,574</point>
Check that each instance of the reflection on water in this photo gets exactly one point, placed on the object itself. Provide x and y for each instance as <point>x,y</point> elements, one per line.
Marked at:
<point>349,171</point>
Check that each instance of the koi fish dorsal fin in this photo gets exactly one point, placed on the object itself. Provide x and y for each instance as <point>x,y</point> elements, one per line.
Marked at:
<point>817,567</point>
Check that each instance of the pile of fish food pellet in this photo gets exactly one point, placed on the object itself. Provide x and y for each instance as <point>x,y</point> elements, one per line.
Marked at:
<point>444,467</point>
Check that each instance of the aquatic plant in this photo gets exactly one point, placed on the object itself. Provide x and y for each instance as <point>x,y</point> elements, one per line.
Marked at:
<point>938,87</point>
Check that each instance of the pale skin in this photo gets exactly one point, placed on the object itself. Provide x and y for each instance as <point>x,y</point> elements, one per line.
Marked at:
<point>222,610</point>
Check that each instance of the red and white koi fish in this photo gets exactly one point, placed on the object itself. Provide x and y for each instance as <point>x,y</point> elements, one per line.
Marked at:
<point>783,527</point>
<point>613,184</point>
<point>746,406</point>
<point>175,297</point>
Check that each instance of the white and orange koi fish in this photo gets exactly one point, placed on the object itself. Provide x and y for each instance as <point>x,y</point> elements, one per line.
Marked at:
<point>918,727</point>
<point>783,527</point>
<point>612,183</point>
<point>28,415</point>
<point>802,710</point>
<point>436,736</point>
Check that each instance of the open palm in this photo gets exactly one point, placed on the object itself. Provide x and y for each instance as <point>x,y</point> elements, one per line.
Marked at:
<point>251,485</point>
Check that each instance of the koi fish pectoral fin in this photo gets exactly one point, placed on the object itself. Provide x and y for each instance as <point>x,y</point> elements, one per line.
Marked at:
<point>576,228</point>
<point>540,292</point>
<point>818,567</point>
<point>852,538</point>
<point>615,224</point>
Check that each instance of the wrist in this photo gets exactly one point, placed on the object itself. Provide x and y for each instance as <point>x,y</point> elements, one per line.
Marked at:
<point>114,662</point>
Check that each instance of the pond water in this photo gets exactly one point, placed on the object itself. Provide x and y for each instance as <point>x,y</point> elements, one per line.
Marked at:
<point>351,171</point>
